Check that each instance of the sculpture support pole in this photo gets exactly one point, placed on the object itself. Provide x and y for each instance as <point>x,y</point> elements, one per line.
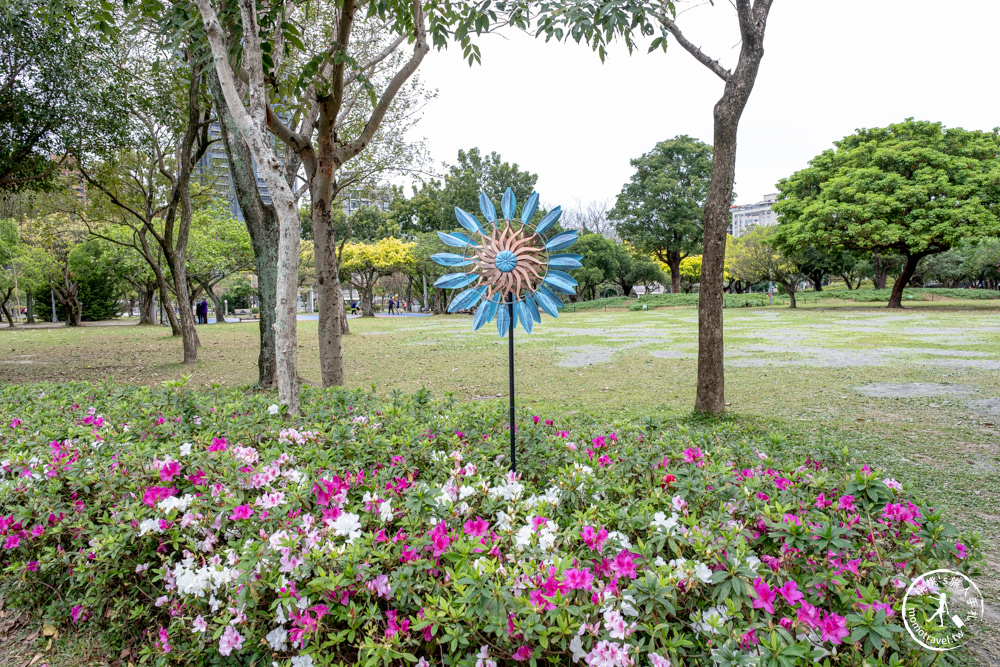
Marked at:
<point>510,369</point>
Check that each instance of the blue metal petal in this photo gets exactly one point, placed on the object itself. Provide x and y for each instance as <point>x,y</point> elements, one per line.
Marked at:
<point>567,260</point>
<point>524,315</point>
<point>487,309</point>
<point>551,218</point>
<point>530,207</point>
<point>467,299</point>
<point>486,206</point>
<point>503,320</point>
<point>557,284</point>
<point>533,307</point>
<point>451,259</point>
<point>564,276</point>
<point>457,240</point>
<point>453,280</point>
<point>468,221</point>
<point>560,240</point>
<point>548,301</point>
<point>508,204</point>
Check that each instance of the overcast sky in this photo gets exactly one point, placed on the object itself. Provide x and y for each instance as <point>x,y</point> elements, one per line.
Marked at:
<point>829,68</point>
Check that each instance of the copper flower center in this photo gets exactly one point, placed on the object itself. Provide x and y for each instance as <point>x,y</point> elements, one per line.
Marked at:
<point>510,261</point>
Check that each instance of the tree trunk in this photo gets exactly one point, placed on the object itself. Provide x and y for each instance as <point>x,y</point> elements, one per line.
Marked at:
<point>674,263</point>
<point>30,307</point>
<point>896,298</point>
<point>3,306</point>
<point>847,280</point>
<point>189,334</point>
<point>331,296</point>
<point>881,270</point>
<point>146,297</point>
<point>791,294</point>
<point>817,281</point>
<point>710,398</point>
<point>261,222</point>
<point>367,302</point>
<point>439,301</point>
<point>345,328</point>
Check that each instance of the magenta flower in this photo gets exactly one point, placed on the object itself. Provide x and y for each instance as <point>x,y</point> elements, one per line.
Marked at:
<point>477,527</point>
<point>39,530</point>
<point>76,613</point>
<point>598,441</point>
<point>12,542</point>
<point>539,601</point>
<point>562,434</point>
<point>748,639</point>
<point>845,503</point>
<point>32,566</point>
<point>241,512</point>
<point>833,628</point>
<point>821,501</point>
<point>535,418</point>
<point>763,496</point>
<point>169,470</point>
<point>623,565</point>
<point>523,653</point>
<point>808,615</point>
<point>692,454</point>
<point>594,539</point>
<point>765,596</point>
<point>960,550</point>
<point>790,591</point>
<point>155,494</point>
<point>218,445</point>
<point>163,642</point>
<point>579,579</point>
<point>782,483</point>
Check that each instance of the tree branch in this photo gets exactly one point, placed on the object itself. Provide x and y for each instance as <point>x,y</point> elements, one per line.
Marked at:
<point>698,54</point>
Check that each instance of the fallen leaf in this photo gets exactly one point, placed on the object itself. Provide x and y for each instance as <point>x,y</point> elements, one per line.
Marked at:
<point>48,630</point>
<point>38,656</point>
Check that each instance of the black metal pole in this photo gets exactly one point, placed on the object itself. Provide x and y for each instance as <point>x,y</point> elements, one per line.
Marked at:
<point>510,369</point>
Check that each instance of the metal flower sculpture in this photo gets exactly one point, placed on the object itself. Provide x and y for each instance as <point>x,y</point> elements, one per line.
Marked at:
<point>510,265</point>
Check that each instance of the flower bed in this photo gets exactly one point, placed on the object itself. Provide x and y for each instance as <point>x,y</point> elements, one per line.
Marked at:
<point>376,531</point>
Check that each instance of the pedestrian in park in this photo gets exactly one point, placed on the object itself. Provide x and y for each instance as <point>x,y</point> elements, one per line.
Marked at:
<point>203,312</point>
<point>391,304</point>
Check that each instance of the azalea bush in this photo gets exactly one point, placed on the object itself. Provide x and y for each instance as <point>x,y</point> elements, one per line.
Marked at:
<point>211,528</point>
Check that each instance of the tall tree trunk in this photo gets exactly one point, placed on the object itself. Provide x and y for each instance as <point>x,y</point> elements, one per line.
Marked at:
<point>791,294</point>
<point>331,296</point>
<point>710,398</point>
<point>262,224</point>
<point>5,294</point>
<point>30,306</point>
<point>367,302</point>
<point>896,298</point>
<point>189,335</point>
<point>817,281</point>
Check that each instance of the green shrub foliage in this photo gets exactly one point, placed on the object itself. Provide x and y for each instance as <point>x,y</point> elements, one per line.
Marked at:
<point>207,528</point>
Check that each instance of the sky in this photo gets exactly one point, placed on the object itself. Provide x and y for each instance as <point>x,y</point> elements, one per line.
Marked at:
<point>828,69</point>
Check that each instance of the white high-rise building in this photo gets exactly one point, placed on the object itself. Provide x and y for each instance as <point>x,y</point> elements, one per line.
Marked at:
<point>753,215</point>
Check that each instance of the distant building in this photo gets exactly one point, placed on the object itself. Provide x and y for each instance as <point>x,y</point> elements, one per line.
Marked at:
<point>753,215</point>
<point>355,199</point>
<point>214,165</point>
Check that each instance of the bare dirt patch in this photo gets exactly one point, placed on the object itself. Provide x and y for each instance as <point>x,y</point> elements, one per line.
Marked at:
<point>990,406</point>
<point>913,390</point>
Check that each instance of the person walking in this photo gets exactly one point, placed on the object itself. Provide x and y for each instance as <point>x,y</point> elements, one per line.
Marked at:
<point>391,304</point>
<point>203,312</point>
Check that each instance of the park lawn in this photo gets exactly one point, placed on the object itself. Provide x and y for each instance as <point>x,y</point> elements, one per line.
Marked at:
<point>932,422</point>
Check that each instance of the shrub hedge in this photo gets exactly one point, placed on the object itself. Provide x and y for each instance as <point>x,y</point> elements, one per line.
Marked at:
<point>207,528</point>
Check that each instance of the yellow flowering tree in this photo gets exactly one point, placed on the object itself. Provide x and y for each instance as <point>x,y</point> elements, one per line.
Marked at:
<point>362,264</point>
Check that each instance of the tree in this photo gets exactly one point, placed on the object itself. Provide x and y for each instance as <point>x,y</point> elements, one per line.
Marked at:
<point>432,207</point>
<point>600,262</point>
<point>634,269</point>
<point>362,264</point>
<point>59,91</point>
<point>912,188</point>
<point>661,209</point>
<point>589,217</point>
<point>330,88</point>
<point>817,263</point>
<point>755,258</point>
<point>598,22</point>
<point>428,271</point>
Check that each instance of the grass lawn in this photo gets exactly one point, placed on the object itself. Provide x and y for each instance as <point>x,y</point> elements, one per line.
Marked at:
<point>916,392</point>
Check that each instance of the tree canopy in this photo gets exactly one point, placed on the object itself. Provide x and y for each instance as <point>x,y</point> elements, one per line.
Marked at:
<point>432,206</point>
<point>914,188</point>
<point>661,209</point>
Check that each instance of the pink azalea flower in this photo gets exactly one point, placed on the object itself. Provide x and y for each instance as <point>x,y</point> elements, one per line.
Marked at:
<point>163,641</point>
<point>960,550</point>
<point>808,615</point>
<point>845,503</point>
<point>763,496</point>
<point>748,639</point>
<point>169,470</point>
<point>523,653</point>
<point>692,454</point>
<point>76,613</point>
<point>477,527</point>
<point>790,591</point>
<point>32,566</point>
<point>562,434</point>
<point>155,494</point>
<point>765,596</point>
<point>12,542</point>
<point>821,501</point>
<point>539,602</point>
<point>230,639</point>
<point>594,539</point>
<point>241,512</point>
<point>218,445</point>
<point>833,628</point>
<point>39,530</point>
<point>579,579</point>
<point>199,624</point>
